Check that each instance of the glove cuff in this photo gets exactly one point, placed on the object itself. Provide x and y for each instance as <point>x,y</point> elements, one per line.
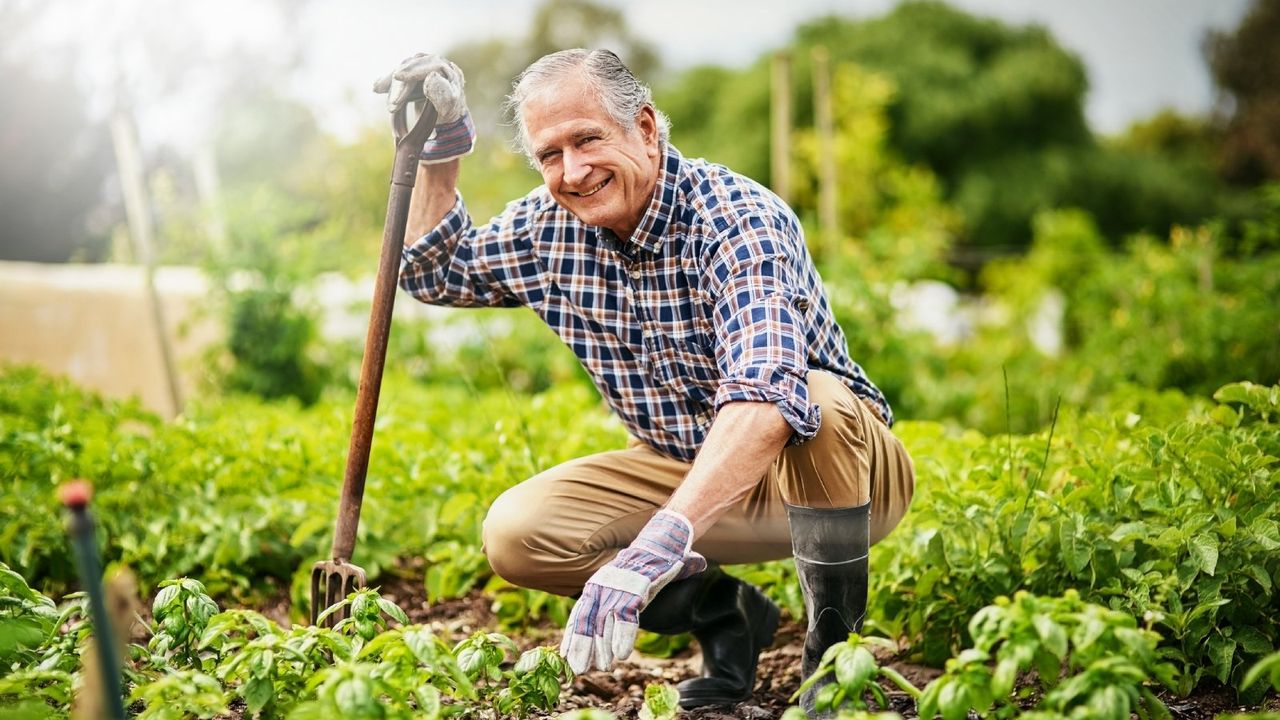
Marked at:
<point>450,141</point>
<point>668,534</point>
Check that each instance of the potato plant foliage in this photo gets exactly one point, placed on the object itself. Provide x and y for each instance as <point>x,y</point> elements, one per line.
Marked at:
<point>1127,548</point>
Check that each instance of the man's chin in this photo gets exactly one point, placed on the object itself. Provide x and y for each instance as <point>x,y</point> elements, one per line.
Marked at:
<point>587,215</point>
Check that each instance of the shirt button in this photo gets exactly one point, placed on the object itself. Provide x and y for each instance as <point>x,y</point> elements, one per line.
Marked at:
<point>635,274</point>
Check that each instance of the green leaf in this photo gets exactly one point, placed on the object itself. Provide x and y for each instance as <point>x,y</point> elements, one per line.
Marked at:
<point>257,693</point>
<point>953,702</point>
<point>393,610</point>
<point>1204,553</point>
<point>1269,664</point>
<point>1234,393</point>
<point>18,632</point>
<point>1252,641</point>
<point>455,506</point>
<point>1052,635</point>
<point>164,598</point>
<point>854,668</point>
<point>1003,678</point>
<point>1222,651</point>
<point>428,698</point>
<point>354,696</point>
<point>1075,552</point>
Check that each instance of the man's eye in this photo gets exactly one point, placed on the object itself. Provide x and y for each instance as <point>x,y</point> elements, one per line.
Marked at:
<point>547,157</point>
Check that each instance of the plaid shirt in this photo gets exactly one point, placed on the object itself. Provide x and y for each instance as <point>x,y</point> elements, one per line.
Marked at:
<point>714,299</point>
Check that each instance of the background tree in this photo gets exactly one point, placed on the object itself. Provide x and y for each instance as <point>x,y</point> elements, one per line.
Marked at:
<point>995,111</point>
<point>1245,65</point>
<point>491,65</point>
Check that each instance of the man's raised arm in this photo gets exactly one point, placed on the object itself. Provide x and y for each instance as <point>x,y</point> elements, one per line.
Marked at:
<point>441,83</point>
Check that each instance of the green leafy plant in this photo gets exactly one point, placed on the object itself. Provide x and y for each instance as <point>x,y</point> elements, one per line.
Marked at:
<point>181,611</point>
<point>795,713</point>
<point>481,656</point>
<point>1071,657</point>
<point>534,682</point>
<point>35,693</point>
<point>1269,668</point>
<point>364,691</point>
<point>855,671</point>
<point>587,714</point>
<point>27,619</point>
<point>179,695</point>
<point>419,658</point>
<point>368,615</point>
<point>1170,520</point>
<point>661,702</point>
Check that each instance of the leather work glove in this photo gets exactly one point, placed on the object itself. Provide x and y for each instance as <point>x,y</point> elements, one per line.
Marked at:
<point>441,83</point>
<point>602,627</point>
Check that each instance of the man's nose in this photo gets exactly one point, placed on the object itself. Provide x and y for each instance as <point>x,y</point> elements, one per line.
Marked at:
<point>576,169</point>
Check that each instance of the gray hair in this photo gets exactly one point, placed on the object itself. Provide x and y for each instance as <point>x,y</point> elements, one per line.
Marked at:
<point>621,94</point>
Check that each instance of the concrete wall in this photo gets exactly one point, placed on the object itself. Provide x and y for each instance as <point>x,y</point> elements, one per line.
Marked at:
<point>93,323</point>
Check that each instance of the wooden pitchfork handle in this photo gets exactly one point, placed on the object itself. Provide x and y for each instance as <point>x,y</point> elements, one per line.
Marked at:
<point>409,143</point>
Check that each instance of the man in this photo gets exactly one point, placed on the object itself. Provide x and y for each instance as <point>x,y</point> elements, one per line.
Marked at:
<point>687,293</point>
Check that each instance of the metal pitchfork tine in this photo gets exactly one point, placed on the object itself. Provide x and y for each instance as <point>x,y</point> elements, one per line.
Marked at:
<point>332,580</point>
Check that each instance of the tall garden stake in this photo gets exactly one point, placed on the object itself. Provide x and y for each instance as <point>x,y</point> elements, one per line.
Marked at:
<point>75,496</point>
<point>333,579</point>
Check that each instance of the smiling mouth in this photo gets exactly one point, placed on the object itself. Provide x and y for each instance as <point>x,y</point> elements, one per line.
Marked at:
<point>595,189</point>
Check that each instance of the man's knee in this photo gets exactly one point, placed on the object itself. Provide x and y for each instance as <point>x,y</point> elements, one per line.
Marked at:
<point>506,533</point>
<point>832,469</point>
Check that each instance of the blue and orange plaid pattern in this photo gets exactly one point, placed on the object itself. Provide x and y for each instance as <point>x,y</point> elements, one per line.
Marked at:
<point>714,299</point>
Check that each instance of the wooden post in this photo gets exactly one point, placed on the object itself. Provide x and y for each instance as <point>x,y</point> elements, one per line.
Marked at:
<point>828,212</point>
<point>204,166</point>
<point>780,145</point>
<point>137,205</point>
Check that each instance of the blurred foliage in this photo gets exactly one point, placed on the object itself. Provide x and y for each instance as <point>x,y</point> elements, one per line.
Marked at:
<point>894,211</point>
<point>1192,311</point>
<point>1158,314</point>
<point>272,345</point>
<point>1162,315</point>
<point>492,64</point>
<point>995,111</point>
<point>1245,65</point>
<point>56,158</point>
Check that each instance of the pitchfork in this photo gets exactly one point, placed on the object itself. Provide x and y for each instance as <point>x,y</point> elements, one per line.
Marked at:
<point>332,580</point>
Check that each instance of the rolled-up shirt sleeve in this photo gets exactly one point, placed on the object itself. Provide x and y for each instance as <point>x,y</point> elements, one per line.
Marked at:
<point>760,327</point>
<point>452,264</point>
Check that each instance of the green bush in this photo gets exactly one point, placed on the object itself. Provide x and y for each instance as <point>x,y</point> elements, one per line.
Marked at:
<point>1170,522</point>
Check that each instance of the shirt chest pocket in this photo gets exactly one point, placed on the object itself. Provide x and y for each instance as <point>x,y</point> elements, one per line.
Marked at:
<point>685,364</point>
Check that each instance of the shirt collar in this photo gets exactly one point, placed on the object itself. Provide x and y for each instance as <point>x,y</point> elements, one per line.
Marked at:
<point>653,224</point>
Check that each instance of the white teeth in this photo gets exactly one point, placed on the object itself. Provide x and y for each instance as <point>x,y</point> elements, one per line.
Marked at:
<point>593,190</point>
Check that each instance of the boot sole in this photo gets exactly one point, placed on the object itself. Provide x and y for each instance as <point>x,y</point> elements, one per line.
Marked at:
<point>703,692</point>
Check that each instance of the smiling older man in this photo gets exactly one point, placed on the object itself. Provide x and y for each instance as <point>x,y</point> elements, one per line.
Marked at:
<point>689,296</point>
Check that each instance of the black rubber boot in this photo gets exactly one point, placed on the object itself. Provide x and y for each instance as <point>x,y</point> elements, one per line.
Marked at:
<point>830,548</point>
<point>732,621</point>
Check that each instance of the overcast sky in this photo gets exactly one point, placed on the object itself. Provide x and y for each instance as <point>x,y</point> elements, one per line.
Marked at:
<point>1141,55</point>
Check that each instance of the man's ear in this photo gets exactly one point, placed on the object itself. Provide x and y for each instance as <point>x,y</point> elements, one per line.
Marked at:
<point>647,124</point>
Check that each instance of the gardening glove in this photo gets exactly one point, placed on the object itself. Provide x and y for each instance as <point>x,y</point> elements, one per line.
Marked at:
<point>439,82</point>
<point>602,627</point>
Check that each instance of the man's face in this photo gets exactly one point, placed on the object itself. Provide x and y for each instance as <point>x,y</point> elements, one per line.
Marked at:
<point>595,169</point>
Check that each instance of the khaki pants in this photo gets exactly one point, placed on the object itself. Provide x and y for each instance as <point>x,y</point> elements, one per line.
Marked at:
<point>552,531</point>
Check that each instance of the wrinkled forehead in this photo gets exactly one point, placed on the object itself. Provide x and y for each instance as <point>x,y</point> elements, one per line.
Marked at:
<point>567,101</point>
